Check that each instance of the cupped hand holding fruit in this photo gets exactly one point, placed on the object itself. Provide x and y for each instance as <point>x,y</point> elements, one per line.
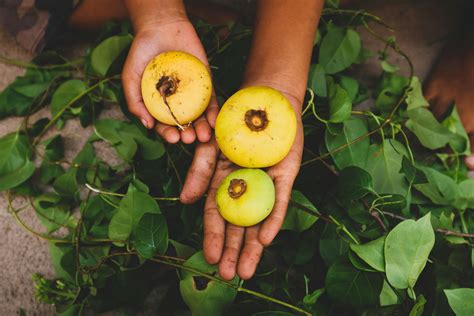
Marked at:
<point>238,249</point>
<point>155,35</point>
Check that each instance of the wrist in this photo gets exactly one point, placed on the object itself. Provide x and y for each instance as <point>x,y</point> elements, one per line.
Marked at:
<point>294,91</point>
<point>150,14</point>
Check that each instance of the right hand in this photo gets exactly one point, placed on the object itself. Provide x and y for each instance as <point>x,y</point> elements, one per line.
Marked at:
<point>176,34</point>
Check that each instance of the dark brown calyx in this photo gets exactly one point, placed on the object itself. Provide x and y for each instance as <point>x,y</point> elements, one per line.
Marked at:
<point>256,120</point>
<point>167,86</point>
<point>237,187</point>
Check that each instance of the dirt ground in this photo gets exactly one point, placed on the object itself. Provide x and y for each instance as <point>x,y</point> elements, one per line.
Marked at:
<point>421,29</point>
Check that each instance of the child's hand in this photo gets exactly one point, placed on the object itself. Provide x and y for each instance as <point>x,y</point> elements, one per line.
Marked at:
<point>150,40</point>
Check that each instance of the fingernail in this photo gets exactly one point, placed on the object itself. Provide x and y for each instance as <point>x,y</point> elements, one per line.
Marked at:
<point>470,162</point>
<point>145,123</point>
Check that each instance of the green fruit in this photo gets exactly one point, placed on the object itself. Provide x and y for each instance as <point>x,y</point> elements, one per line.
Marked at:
<point>246,197</point>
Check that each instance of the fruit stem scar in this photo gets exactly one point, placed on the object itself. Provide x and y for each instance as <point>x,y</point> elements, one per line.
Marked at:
<point>166,86</point>
<point>237,188</point>
<point>256,120</point>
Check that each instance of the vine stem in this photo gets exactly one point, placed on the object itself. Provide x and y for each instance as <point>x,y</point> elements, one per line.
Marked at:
<point>395,48</point>
<point>27,65</point>
<point>236,287</point>
<point>443,231</point>
<point>68,105</point>
<point>96,190</point>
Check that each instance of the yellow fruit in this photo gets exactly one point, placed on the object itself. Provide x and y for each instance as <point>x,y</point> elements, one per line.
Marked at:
<point>245,197</point>
<point>256,127</point>
<point>176,88</point>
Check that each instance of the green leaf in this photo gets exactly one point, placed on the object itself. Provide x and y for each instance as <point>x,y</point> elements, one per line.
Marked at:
<point>389,91</point>
<point>406,250</point>
<point>317,80</point>
<point>108,51</point>
<point>441,188</point>
<point>349,286</point>
<point>384,165</point>
<point>205,297</point>
<point>418,308</point>
<point>340,104</point>
<point>297,219</point>
<point>372,253</point>
<point>63,261</point>
<point>354,183</point>
<point>388,296</point>
<point>340,48</point>
<point>465,198</point>
<point>387,67</point>
<point>151,235</point>
<point>65,93</point>
<point>66,184</point>
<point>353,154</point>
<point>15,164</point>
<point>415,98</point>
<point>312,298</point>
<point>53,214</point>
<point>19,97</point>
<point>461,301</point>
<point>54,148</point>
<point>127,139</point>
<point>331,245</point>
<point>130,211</point>
<point>460,141</point>
<point>427,129</point>
<point>350,85</point>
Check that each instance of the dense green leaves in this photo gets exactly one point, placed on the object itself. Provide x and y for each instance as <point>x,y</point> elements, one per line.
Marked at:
<point>203,296</point>
<point>15,164</point>
<point>406,249</point>
<point>127,139</point>
<point>339,49</point>
<point>27,91</point>
<point>461,301</point>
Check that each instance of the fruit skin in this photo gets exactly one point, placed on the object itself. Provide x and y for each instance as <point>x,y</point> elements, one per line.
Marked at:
<point>194,87</point>
<point>254,205</point>
<point>256,149</point>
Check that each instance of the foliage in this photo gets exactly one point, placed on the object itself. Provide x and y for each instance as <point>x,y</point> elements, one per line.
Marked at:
<point>380,221</point>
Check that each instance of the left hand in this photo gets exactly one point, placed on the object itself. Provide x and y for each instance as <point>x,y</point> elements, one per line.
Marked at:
<point>239,249</point>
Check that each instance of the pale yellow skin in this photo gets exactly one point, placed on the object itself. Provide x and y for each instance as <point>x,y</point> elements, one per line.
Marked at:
<point>256,149</point>
<point>193,91</point>
<point>254,205</point>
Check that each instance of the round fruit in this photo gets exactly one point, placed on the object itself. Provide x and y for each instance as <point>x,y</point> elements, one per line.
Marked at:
<point>256,127</point>
<point>245,197</point>
<point>176,88</point>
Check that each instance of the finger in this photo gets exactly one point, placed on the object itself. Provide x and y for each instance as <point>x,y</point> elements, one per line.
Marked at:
<point>234,237</point>
<point>469,160</point>
<point>251,253</point>
<point>200,173</point>
<point>214,224</point>
<point>188,135</point>
<point>131,80</point>
<point>169,133</point>
<point>212,110</point>
<point>271,226</point>
<point>203,130</point>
